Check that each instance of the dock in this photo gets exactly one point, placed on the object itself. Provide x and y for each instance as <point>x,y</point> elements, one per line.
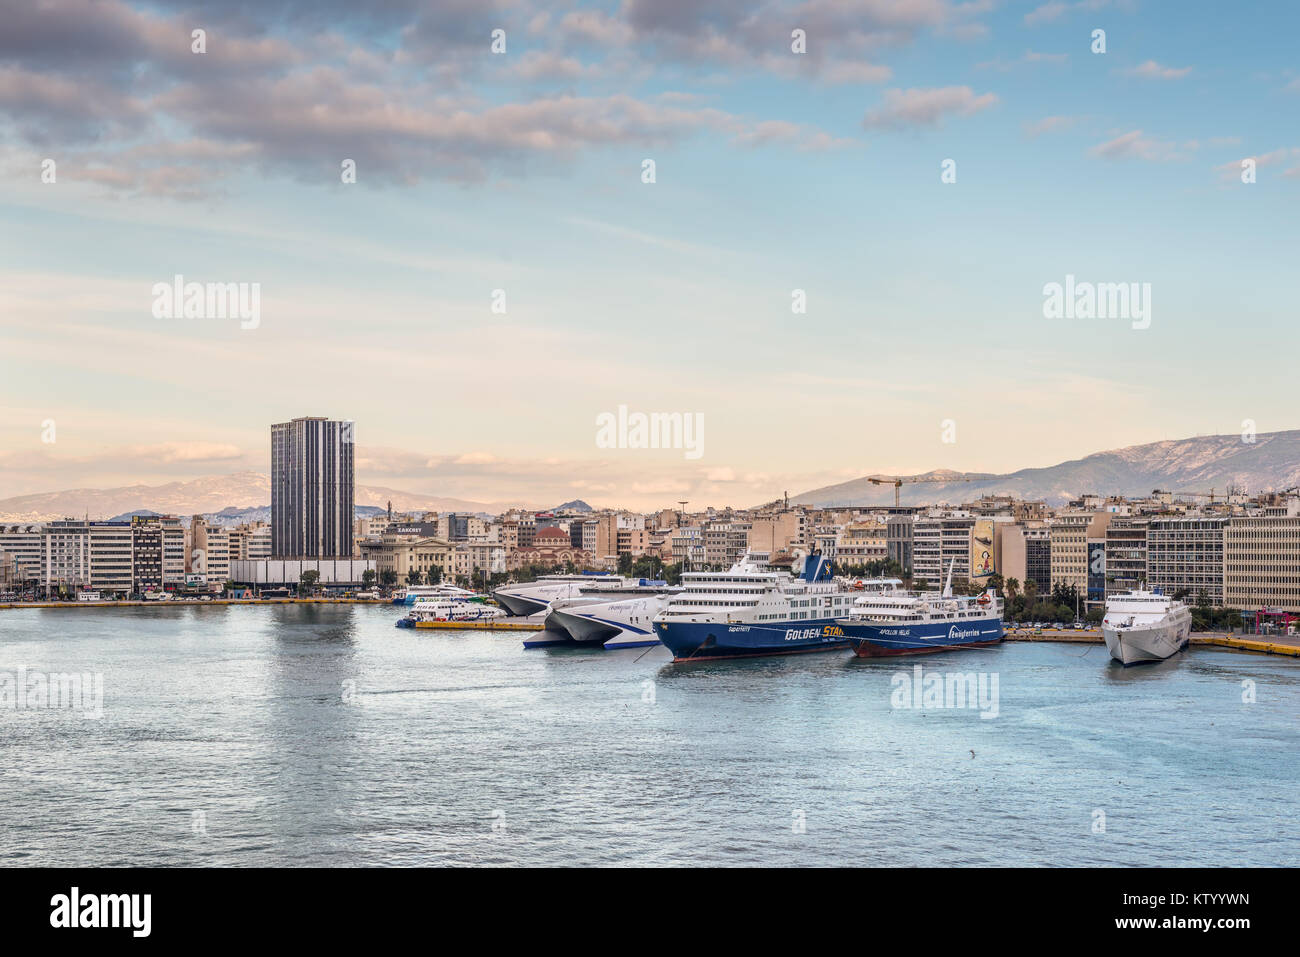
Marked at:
<point>501,624</point>
<point>183,603</point>
<point>1261,644</point>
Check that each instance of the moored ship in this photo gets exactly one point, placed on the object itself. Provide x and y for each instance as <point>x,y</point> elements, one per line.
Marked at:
<point>905,623</point>
<point>1142,626</point>
<point>752,610</point>
<point>449,609</point>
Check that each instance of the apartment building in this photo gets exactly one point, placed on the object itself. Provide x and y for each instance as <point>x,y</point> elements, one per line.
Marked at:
<point>779,533</point>
<point>1070,532</point>
<point>24,546</point>
<point>940,540</point>
<point>157,553</point>
<point>687,546</point>
<point>1186,553</point>
<point>725,543</point>
<point>1026,554</point>
<point>209,554</point>
<point>1261,559</point>
<point>860,542</point>
<point>1126,554</point>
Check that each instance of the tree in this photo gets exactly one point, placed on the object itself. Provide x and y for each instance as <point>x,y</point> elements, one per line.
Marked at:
<point>625,564</point>
<point>435,574</point>
<point>1013,588</point>
<point>414,577</point>
<point>388,578</point>
<point>308,579</point>
<point>368,577</point>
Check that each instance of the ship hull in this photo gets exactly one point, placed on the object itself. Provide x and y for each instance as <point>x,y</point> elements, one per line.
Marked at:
<point>518,605</point>
<point>713,641</point>
<point>1135,646</point>
<point>876,640</point>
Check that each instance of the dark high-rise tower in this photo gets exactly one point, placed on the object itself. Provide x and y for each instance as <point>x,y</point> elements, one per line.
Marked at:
<point>311,488</point>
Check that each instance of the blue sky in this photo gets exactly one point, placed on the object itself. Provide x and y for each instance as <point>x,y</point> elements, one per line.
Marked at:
<point>522,172</point>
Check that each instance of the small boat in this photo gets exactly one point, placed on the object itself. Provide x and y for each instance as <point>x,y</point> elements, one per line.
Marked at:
<point>449,609</point>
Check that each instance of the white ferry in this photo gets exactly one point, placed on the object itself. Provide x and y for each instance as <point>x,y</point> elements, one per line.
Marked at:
<point>1145,626</point>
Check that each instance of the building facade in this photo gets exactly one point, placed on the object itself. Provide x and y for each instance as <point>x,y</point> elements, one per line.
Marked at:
<point>1261,560</point>
<point>1185,554</point>
<point>312,488</point>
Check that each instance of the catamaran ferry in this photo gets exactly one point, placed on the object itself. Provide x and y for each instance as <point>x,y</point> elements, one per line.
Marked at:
<point>903,623</point>
<point>753,610</point>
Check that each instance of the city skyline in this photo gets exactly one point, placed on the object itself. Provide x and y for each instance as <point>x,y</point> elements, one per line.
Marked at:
<point>523,172</point>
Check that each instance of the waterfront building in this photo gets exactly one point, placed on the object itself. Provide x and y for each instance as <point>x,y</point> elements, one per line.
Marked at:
<point>1126,554</point>
<point>1261,559</point>
<point>1095,598</point>
<point>110,558</point>
<point>1070,532</point>
<point>312,488</point>
<point>209,555</point>
<point>24,546</point>
<point>1026,555</point>
<point>1185,554</point>
<point>65,564</point>
<point>940,539</point>
<point>157,553</point>
<point>333,574</point>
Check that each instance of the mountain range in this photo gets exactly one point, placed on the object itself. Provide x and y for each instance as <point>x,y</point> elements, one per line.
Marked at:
<point>1200,464</point>
<point>209,495</point>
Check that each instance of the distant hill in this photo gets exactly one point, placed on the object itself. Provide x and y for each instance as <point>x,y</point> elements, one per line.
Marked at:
<point>210,495</point>
<point>577,505</point>
<point>1197,464</point>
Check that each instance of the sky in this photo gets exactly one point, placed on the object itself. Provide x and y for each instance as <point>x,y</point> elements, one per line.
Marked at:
<point>501,274</point>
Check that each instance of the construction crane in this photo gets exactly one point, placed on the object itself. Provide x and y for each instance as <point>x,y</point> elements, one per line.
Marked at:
<point>898,482</point>
<point>1210,494</point>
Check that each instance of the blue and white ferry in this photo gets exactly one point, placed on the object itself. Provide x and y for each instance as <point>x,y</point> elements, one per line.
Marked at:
<point>905,623</point>
<point>754,610</point>
<point>414,593</point>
